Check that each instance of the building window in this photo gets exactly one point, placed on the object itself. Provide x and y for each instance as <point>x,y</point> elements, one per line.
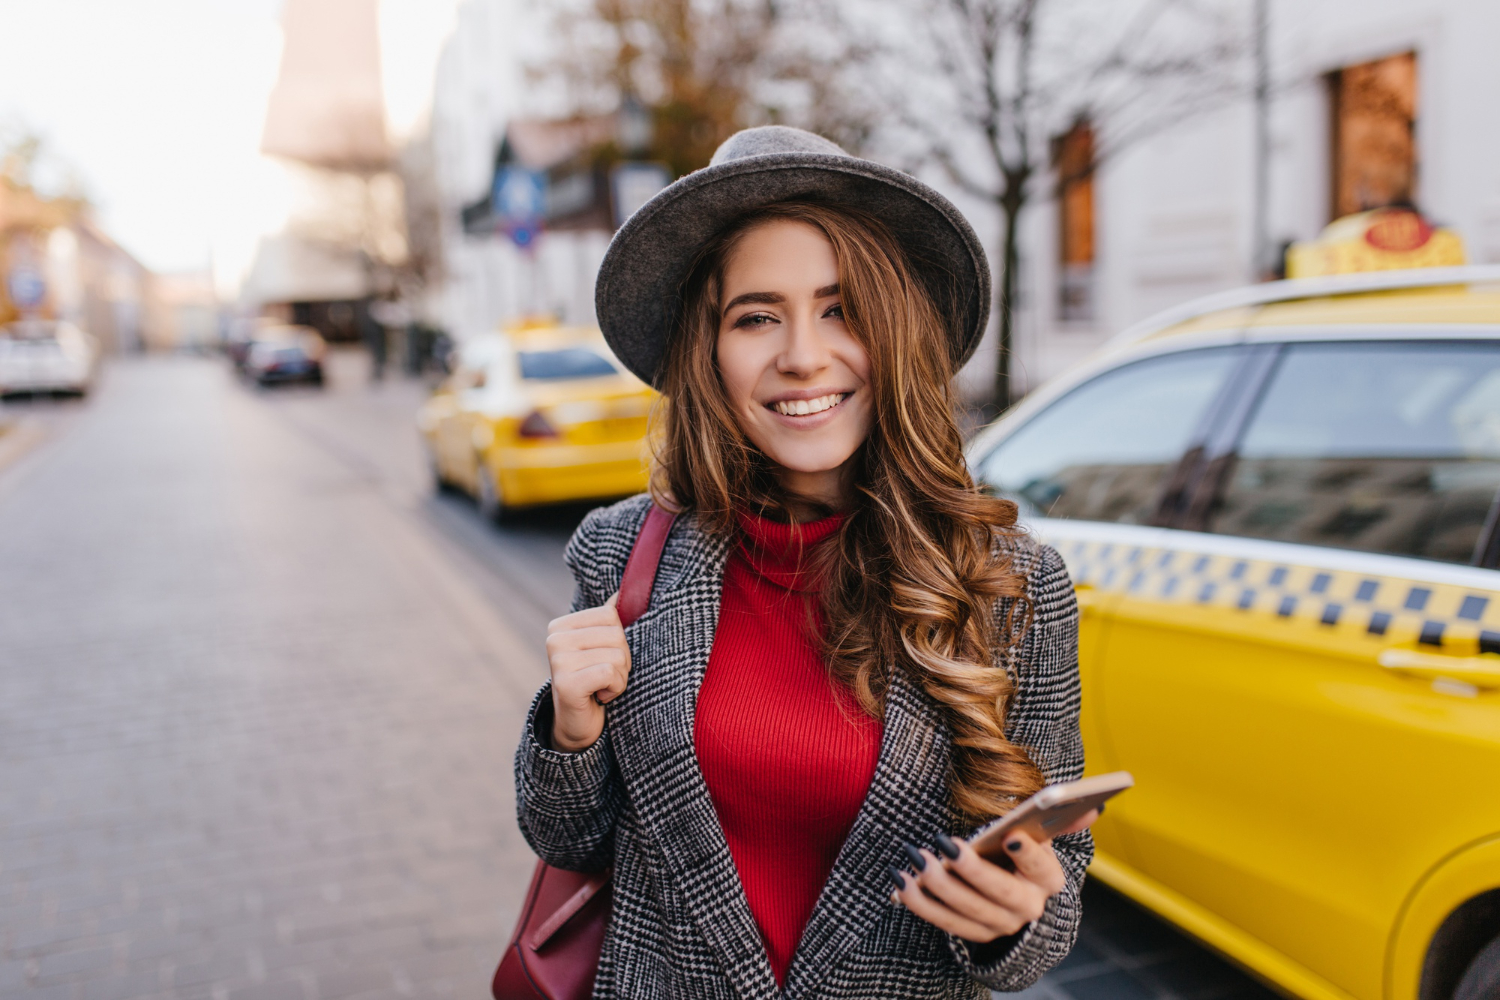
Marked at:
<point>1374,134</point>
<point>1074,158</point>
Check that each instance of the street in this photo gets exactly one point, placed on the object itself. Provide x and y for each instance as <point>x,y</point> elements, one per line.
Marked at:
<point>257,718</point>
<point>259,692</point>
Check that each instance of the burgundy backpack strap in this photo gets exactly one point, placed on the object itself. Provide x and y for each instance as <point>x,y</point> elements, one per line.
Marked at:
<point>640,568</point>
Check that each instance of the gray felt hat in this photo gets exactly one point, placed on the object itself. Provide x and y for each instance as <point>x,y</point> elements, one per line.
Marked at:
<point>639,287</point>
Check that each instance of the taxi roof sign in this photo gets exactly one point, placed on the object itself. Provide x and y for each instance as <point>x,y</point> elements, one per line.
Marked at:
<point>1383,239</point>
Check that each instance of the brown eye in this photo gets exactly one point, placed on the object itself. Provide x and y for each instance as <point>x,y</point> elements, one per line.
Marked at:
<point>834,312</point>
<point>753,319</point>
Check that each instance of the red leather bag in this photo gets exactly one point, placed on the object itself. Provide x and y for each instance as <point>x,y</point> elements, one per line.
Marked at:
<point>553,953</point>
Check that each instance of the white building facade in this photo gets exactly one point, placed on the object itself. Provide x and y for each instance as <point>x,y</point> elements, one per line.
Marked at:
<point>481,87</point>
<point>1171,218</point>
<point>1175,217</point>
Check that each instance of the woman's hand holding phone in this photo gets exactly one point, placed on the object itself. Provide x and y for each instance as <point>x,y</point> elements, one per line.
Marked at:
<point>976,899</point>
<point>590,663</point>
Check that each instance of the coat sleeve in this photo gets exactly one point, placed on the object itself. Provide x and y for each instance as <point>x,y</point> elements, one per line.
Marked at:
<point>1043,717</point>
<point>569,803</point>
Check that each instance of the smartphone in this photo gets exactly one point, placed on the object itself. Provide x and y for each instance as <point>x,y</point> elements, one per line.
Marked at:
<point>1049,810</point>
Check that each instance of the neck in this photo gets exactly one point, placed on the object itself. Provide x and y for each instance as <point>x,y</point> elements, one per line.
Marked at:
<point>810,493</point>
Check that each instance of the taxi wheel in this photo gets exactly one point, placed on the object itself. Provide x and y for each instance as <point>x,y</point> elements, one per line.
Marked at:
<point>491,504</point>
<point>1482,980</point>
<point>440,485</point>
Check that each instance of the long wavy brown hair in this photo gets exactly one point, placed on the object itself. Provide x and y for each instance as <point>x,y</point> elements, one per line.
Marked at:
<point>913,575</point>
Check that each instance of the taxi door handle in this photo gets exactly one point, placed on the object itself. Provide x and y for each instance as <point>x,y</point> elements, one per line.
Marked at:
<point>1482,671</point>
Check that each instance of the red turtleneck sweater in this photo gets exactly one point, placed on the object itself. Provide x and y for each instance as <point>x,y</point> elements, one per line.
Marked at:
<point>787,754</point>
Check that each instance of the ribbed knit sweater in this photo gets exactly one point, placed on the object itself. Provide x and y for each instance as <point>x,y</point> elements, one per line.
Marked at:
<point>786,752</point>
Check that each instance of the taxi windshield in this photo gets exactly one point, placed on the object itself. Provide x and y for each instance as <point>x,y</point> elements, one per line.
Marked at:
<point>566,363</point>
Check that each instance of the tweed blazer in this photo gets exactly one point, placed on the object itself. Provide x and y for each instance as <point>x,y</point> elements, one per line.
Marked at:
<point>636,801</point>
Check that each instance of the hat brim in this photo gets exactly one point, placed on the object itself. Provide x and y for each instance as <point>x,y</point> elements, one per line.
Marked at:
<point>638,290</point>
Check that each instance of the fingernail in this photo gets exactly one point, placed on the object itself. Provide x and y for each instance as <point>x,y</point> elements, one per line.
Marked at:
<point>1014,845</point>
<point>897,876</point>
<point>1101,809</point>
<point>918,861</point>
<point>947,846</point>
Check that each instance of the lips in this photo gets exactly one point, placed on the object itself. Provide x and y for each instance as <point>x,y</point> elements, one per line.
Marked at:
<point>806,407</point>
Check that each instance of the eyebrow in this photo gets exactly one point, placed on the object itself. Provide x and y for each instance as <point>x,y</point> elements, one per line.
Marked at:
<point>756,298</point>
<point>776,298</point>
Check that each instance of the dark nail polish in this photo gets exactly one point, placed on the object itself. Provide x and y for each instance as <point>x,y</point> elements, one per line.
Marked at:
<point>917,860</point>
<point>1101,809</point>
<point>1014,845</point>
<point>947,846</point>
<point>897,876</point>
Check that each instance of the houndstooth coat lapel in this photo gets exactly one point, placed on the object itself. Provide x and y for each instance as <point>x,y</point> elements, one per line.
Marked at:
<point>681,926</point>
<point>652,724</point>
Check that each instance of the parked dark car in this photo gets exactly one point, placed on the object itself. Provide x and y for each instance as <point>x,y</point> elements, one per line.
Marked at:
<point>285,354</point>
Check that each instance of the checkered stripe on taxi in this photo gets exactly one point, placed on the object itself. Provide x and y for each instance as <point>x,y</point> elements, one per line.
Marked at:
<point>1382,608</point>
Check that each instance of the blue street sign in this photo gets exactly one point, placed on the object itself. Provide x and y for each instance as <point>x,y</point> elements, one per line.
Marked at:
<point>27,287</point>
<point>519,203</point>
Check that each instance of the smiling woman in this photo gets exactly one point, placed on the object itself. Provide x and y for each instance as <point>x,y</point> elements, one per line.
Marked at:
<point>850,650</point>
<point>794,375</point>
<point>818,303</point>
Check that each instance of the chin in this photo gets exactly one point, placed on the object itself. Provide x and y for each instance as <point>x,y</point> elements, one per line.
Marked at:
<point>810,461</point>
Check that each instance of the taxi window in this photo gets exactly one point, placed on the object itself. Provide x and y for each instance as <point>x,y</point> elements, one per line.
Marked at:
<point>1382,447</point>
<point>1103,451</point>
<point>570,362</point>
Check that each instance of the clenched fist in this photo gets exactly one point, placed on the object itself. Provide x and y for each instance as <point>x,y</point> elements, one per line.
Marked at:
<point>590,663</point>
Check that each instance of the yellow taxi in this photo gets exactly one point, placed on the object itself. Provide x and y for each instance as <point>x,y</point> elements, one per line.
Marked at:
<point>537,414</point>
<point>1280,506</point>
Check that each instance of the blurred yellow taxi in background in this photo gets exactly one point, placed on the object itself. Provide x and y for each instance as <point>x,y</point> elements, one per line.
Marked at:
<point>538,414</point>
<point>1281,509</point>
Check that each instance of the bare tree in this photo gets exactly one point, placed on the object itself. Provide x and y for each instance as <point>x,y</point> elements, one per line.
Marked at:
<point>423,268</point>
<point>985,84</point>
<point>703,69</point>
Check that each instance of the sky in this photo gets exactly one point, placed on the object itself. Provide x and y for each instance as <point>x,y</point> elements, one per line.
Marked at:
<point>156,108</point>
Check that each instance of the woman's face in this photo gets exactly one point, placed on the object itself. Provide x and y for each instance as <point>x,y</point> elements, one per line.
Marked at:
<point>796,377</point>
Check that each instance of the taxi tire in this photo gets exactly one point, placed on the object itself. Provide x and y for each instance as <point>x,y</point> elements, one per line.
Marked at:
<point>440,484</point>
<point>487,497</point>
<point>1481,980</point>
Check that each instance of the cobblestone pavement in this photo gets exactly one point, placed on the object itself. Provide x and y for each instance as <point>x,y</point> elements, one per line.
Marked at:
<point>255,722</point>
<point>259,688</point>
<point>370,429</point>
<point>1126,953</point>
<point>26,422</point>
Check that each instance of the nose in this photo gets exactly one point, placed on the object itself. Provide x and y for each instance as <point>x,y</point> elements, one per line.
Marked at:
<point>804,352</point>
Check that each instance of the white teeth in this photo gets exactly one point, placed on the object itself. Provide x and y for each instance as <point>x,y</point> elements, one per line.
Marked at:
<point>802,407</point>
